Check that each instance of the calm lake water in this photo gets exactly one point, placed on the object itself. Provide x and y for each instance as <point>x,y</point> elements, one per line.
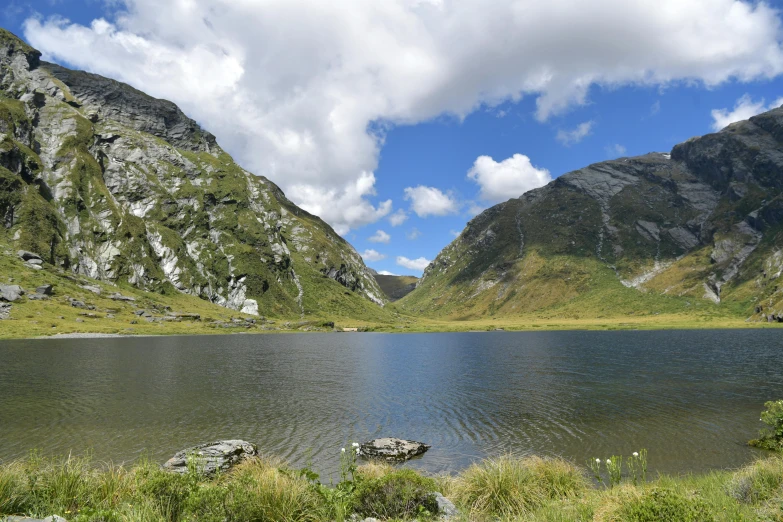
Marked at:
<point>692,398</point>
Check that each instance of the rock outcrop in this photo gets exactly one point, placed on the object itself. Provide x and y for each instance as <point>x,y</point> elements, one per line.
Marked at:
<point>10,293</point>
<point>105,181</point>
<point>212,457</point>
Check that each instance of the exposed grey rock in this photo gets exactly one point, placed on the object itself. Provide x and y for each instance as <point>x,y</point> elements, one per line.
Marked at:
<point>391,449</point>
<point>212,457</point>
<point>28,256</point>
<point>446,508</point>
<point>51,518</point>
<point>110,99</point>
<point>37,297</point>
<point>182,315</point>
<point>120,297</point>
<point>36,262</point>
<point>80,304</point>
<point>683,237</point>
<point>10,293</point>
<point>45,290</point>
<point>91,288</point>
<point>648,229</point>
<point>5,310</point>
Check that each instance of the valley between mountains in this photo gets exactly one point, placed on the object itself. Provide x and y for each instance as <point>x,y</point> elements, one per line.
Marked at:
<point>131,210</point>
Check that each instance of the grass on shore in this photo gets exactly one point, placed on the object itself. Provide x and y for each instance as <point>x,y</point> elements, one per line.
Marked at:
<point>505,489</point>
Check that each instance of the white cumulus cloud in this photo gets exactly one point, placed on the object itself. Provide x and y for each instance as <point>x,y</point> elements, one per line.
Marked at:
<point>291,87</point>
<point>371,255</point>
<point>419,264</point>
<point>380,237</point>
<point>576,135</point>
<point>398,218</point>
<point>414,234</point>
<point>510,178</point>
<point>386,272</point>
<point>430,201</point>
<point>615,151</point>
<point>743,109</point>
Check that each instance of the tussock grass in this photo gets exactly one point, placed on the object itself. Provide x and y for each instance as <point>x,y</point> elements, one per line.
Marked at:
<point>502,489</point>
<point>374,469</point>
<point>512,487</point>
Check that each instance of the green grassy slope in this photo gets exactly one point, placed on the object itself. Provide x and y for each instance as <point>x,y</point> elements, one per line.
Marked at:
<point>696,233</point>
<point>93,180</point>
<point>396,287</point>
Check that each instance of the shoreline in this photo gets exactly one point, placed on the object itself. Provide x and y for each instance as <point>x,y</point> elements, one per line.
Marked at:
<point>531,488</point>
<point>435,327</point>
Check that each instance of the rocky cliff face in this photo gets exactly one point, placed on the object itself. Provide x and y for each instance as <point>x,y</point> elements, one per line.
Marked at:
<point>105,181</point>
<point>675,230</point>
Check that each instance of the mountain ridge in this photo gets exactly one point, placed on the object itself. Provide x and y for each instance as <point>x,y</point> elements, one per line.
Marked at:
<point>110,183</point>
<point>699,226</point>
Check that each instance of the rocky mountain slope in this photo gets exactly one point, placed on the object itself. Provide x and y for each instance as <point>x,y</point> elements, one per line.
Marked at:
<point>395,287</point>
<point>697,229</point>
<point>106,182</point>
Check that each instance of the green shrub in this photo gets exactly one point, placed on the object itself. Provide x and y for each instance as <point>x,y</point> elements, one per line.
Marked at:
<point>758,482</point>
<point>772,437</point>
<point>398,494</point>
<point>656,505</point>
<point>167,492</point>
<point>512,487</point>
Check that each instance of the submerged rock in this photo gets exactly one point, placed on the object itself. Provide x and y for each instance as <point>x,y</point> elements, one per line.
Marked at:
<point>391,449</point>
<point>212,457</point>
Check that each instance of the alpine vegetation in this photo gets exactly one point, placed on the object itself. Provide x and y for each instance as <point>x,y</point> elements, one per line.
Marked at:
<point>101,180</point>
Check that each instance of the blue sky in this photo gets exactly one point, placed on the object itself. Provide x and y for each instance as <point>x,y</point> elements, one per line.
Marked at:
<point>426,139</point>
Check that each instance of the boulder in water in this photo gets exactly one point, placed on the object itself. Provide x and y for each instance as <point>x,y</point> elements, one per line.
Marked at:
<point>212,457</point>
<point>391,449</point>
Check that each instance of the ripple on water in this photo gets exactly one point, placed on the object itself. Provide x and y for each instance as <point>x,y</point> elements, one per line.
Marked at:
<point>691,397</point>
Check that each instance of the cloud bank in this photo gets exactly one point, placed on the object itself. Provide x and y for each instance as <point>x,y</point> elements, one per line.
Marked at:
<point>430,201</point>
<point>291,87</point>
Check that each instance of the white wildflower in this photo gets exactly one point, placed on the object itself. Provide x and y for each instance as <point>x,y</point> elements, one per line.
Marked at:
<point>355,444</point>
<point>608,462</point>
<point>635,454</point>
<point>597,461</point>
<point>342,450</point>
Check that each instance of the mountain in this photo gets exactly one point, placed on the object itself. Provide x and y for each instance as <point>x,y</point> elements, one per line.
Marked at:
<point>693,231</point>
<point>107,182</point>
<point>395,287</point>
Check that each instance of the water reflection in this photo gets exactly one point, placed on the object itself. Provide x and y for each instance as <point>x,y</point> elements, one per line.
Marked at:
<point>691,397</point>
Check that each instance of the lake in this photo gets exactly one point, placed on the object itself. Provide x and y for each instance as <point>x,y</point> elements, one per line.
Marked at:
<point>692,398</point>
